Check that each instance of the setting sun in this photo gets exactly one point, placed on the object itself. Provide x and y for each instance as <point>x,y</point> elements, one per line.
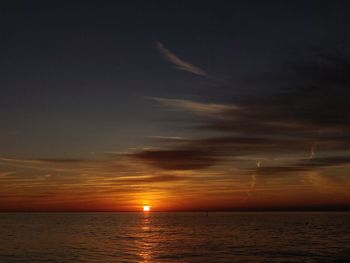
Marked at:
<point>146,208</point>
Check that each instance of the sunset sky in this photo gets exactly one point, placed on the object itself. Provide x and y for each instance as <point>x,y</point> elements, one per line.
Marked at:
<point>179,105</point>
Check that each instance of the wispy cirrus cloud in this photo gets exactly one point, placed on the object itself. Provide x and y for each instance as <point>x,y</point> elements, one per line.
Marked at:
<point>199,108</point>
<point>291,144</point>
<point>180,63</point>
<point>299,130</point>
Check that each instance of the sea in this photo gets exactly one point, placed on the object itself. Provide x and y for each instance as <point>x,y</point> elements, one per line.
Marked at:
<point>175,237</point>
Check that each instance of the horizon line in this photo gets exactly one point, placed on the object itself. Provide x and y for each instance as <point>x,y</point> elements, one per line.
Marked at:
<point>179,211</point>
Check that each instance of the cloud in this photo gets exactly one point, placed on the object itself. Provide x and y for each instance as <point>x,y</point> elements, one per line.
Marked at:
<point>6,173</point>
<point>182,159</point>
<point>170,138</point>
<point>181,64</point>
<point>152,179</point>
<point>279,170</point>
<point>199,108</point>
<point>300,134</point>
<point>58,165</point>
<point>326,161</point>
<point>286,128</point>
<point>41,161</point>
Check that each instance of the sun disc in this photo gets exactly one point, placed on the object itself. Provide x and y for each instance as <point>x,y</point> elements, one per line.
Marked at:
<point>146,208</point>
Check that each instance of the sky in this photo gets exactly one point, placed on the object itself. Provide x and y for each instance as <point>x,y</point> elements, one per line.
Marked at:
<point>181,105</point>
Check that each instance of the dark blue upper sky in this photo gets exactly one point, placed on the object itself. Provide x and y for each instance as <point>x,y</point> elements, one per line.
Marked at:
<point>77,76</point>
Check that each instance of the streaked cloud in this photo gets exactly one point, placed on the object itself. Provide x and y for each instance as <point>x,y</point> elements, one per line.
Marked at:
<point>170,138</point>
<point>182,159</point>
<point>249,153</point>
<point>284,129</point>
<point>199,108</point>
<point>152,179</point>
<point>180,63</point>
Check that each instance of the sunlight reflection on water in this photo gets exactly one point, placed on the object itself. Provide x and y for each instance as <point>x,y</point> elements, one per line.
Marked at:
<point>146,246</point>
<point>174,237</point>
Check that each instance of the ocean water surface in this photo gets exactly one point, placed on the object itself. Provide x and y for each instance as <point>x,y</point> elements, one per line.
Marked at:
<point>175,237</point>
